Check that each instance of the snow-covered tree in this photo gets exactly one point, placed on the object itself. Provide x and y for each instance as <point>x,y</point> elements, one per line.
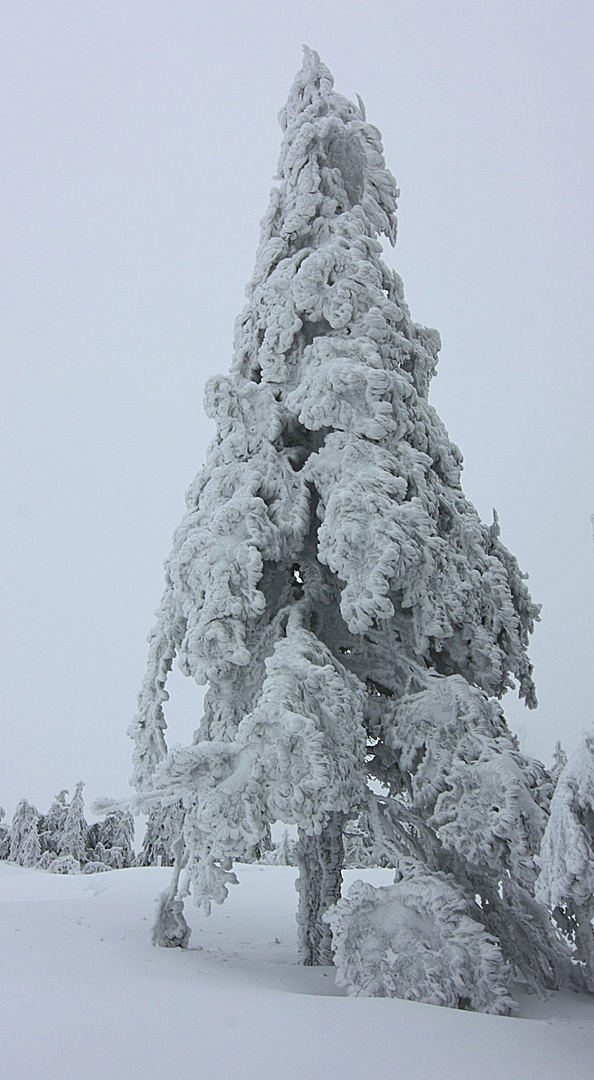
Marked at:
<point>117,831</point>
<point>111,841</point>
<point>566,880</point>
<point>61,842</point>
<point>284,851</point>
<point>52,824</point>
<point>25,847</point>
<point>359,847</point>
<point>335,589</point>
<point>163,828</point>
<point>4,836</point>
<point>559,762</point>
<point>74,832</point>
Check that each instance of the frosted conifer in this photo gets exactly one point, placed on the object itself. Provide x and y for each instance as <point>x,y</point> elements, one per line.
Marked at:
<point>25,847</point>
<point>163,828</point>
<point>330,580</point>
<point>74,832</point>
<point>284,853</point>
<point>4,836</point>
<point>112,841</point>
<point>52,825</point>
<point>358,843</point>
<point>559,762</point>
<point>566,880</point>
<point>30,853</point>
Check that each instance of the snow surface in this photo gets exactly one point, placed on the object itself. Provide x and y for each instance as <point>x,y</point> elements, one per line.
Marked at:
<point>86,996</point>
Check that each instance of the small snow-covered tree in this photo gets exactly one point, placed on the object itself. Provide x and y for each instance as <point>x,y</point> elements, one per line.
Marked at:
<point>359,848</point>
<point>118,829</point>
<point>25,847</point>
<point>111,841</point>
<point>335,589</point>
<point>4,836</point>
<point>284,851</point>
<point>30,853</point>
<point>74,831</point>
<point>559,762</point>
<point>566,880</point>
<point>52,824</point>
<point>163,828</point>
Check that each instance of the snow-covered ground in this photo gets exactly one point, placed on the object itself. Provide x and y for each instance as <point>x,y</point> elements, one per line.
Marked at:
<point>85,996</point>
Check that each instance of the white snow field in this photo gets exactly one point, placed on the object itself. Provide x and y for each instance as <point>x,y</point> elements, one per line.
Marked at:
<point>85,996</point>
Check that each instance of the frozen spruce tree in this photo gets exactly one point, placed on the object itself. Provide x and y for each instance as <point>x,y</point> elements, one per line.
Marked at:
<point>73,839</point>
<point>163,828</point>
<point>111,842</point>
<point>25,847</point>
<point>4,836</point>
<point>336,592</point>
<point>52,826</point>
<point>566,880</point>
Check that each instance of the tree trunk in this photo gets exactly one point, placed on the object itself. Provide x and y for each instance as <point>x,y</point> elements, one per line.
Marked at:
<point>584,940</point>
<point>320,860</point>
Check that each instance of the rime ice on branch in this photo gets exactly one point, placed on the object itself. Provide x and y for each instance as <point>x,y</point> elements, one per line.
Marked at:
<point>329,567</point>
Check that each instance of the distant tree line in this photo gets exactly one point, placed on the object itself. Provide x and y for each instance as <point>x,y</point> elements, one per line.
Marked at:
<point>63,842</point>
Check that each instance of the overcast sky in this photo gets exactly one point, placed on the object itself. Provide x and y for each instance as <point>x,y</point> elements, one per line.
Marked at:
<point>139,145</point>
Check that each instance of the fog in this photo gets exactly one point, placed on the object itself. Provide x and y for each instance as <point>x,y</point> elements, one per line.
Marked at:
<point>140,143</point>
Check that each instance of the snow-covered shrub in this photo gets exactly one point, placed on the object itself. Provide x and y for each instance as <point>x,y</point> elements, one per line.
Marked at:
<point>64,864</point>
<point>116,832</point>
<point>96,868</point>
<point>415,940</point>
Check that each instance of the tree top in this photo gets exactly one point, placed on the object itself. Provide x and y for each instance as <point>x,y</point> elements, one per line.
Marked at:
<point>328,140</point>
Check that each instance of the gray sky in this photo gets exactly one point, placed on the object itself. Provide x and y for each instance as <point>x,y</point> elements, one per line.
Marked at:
<point>139,144</point>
